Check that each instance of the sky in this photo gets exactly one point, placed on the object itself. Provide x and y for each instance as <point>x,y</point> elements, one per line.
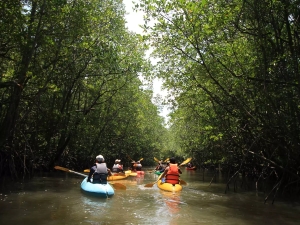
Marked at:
<point>134,19</point>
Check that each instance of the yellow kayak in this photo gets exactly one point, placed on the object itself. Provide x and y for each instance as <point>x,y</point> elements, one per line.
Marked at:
<point>111,178</point>
<point>130,173</point>
<point>169,187</point>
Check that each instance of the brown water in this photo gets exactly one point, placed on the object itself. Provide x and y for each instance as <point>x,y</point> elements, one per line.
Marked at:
<point>57,199</point>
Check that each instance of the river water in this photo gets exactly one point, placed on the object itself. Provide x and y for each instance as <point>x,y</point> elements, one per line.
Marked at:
<point>57,199</point>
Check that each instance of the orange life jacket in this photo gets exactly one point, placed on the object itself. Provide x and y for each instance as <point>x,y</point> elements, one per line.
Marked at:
<point>172,175</point>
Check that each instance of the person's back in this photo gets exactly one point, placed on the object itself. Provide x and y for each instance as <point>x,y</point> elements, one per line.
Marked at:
<point>138,166</point>
<point>100,174</point>
<point>116,167</point>
<point>99,171</point>
<point>172,172</point>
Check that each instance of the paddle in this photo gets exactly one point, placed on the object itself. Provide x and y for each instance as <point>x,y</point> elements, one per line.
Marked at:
<point>156,160</point>
<point>115,185</point>
<point>182,182</point>
<point>151,184</point>
<point>185,161</point>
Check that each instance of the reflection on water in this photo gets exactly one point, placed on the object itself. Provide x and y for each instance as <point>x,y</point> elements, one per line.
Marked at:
<point>57,199</point>
<point>172,201</point>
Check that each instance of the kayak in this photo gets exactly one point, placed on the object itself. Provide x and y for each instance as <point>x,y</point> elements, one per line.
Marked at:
<point>101,190</point>
<point>130,173</point>
<point>191,168</point>
<point>158,172</point>
<point>136,173</point>
<point>117,177</point>
<point>169,187</point>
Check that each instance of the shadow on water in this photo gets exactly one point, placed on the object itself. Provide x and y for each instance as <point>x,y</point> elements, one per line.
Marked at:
<point>57,199</point>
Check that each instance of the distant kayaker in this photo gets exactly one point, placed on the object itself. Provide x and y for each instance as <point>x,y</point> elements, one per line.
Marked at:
<point>138,166</point>
<point>99,171</point>
<point>190,165</point>
<point>159,166</point>
<point>117,167</point>
<point>133,166</point>
<point>171,173</point>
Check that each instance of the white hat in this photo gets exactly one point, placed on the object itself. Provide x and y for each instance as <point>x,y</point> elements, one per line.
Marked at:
<point>100,158</point>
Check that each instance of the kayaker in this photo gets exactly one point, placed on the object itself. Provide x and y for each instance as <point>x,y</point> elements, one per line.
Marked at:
<point>163,167</point>
<point>99,171</point>
<point>190,165</point>
<point>117,167</point>
<point>121,166</point>
<point>138,166</point>
<point>159,166</point>
<point>133,167</point>
<point>171,173</point>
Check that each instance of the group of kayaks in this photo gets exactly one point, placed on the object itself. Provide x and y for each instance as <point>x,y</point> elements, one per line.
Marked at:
<point>107,190</point>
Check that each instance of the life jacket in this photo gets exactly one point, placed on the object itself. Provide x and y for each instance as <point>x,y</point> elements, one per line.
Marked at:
<point>100,174</point>
<point>116,168</point>
<point>138,166</point>
<point>172,175</point>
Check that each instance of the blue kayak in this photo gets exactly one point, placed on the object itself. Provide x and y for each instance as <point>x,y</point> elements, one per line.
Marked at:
<point>102,190</point>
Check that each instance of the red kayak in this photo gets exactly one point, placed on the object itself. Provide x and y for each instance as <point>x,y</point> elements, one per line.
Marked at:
<point>191,168</point>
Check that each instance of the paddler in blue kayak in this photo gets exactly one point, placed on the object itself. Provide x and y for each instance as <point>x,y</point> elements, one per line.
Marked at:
<point>99,171</point>
<point>171,173</point>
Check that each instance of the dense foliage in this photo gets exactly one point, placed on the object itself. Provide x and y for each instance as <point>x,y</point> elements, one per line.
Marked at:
<point>233,70</point>
<point>70,87</point>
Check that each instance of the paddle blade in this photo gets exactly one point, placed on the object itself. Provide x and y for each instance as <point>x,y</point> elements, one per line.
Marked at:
<point>182,182</point>
<point>141,159</point>
<point>156,160</point>
<point>118,186</point>
<point>61,168</point>
<point>86,170</point>
<point>167,159</point>
<point>70,171</point>
<point>185,161</point>
<point>149,185</point>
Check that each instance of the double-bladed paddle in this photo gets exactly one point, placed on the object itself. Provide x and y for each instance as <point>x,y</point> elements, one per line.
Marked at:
<point>117,186</point>
<point>156,160</point>
<point>185,161</point>
<point>151,184</point>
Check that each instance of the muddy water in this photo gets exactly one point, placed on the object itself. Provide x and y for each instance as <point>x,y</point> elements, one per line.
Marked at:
<point>57,199</point>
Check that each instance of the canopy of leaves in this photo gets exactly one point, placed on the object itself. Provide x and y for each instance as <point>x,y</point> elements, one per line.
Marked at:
<point>233,70</point>
<point>70,87</point>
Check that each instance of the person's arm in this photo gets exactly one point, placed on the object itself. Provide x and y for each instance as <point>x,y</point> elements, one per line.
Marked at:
<point>164,173</point>
<point>179,170</point>
<point>109,172</point>
<point>90,174</point>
